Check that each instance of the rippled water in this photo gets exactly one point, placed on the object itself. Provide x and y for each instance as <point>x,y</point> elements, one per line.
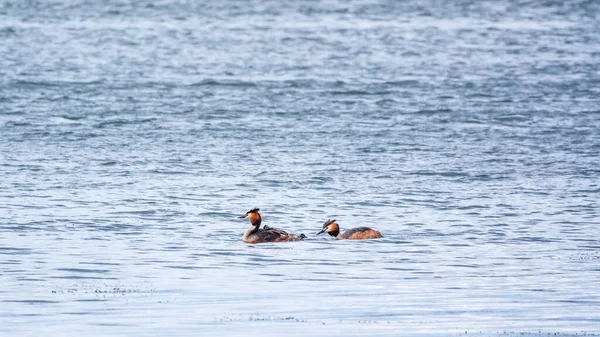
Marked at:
<point>133,134</point>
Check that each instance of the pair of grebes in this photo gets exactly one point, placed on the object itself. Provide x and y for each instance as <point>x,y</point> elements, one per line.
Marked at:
<point>269,234</point>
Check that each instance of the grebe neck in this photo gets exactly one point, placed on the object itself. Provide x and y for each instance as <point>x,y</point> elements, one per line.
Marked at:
<point>251,230</point>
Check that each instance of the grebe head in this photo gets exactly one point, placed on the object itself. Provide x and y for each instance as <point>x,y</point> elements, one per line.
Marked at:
<point>331,227</point>
<point>253,216</point>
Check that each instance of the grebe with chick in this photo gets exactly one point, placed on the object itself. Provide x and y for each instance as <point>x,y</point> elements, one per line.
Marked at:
<point>360,233</point>
<point>255,234</point>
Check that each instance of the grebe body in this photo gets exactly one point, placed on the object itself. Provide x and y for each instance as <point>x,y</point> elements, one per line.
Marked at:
<point>359,233</point>
<point>255,234</point>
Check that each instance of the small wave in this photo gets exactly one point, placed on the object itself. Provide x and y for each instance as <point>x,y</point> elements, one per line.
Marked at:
<point>449,174</point>
<point>83,270</point>
<point>431,112</point>
<point>359,93</point>
<point>113,12</point>
<point>473,207</point>
<point>77,277</point>
<point>122,122</point>
<point>31,301</point>
<point>170,172</point>
<point>17,124</point>
<point>101,263</point>
<point>141,212</point>
<point>15,251</point>
<point>386,102</point>
<point>224,83</point>
<point>55,83</point>
<point>503,100</point>
<point>410,53</point>
<point>65,120</point>
<point>480,95</point>
<point>512,118</point>
<point>192,267</point>
<point>313,83</point>
<point>474,121</point>
<point>403,83</point>
<point>537,239</point>
<point>8,31</point>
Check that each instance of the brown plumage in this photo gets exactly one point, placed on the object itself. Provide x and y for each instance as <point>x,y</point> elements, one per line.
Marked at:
<point>255,234</point>
<point>360,233</point>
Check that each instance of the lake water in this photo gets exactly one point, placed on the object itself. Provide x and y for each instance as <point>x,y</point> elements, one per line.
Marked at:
<point>133,135</point>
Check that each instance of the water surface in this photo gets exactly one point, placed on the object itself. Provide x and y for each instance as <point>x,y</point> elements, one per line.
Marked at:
<point>133,134</point>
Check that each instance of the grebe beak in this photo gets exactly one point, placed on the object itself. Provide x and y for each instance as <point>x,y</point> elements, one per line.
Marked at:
<point>243,216</point>
<point>322,231</point>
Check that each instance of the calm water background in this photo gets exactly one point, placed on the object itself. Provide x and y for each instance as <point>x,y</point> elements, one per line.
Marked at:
<point>132,134</point>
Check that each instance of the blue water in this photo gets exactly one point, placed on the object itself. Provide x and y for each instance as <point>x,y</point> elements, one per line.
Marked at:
<point>133,134</point>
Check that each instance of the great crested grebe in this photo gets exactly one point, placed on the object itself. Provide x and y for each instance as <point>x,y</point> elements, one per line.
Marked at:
<point>360,233</point>
<point>268,234</point>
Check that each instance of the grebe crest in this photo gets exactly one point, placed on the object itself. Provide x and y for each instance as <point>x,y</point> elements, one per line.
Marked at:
<point>359,233</point>
<point>253,216</point>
